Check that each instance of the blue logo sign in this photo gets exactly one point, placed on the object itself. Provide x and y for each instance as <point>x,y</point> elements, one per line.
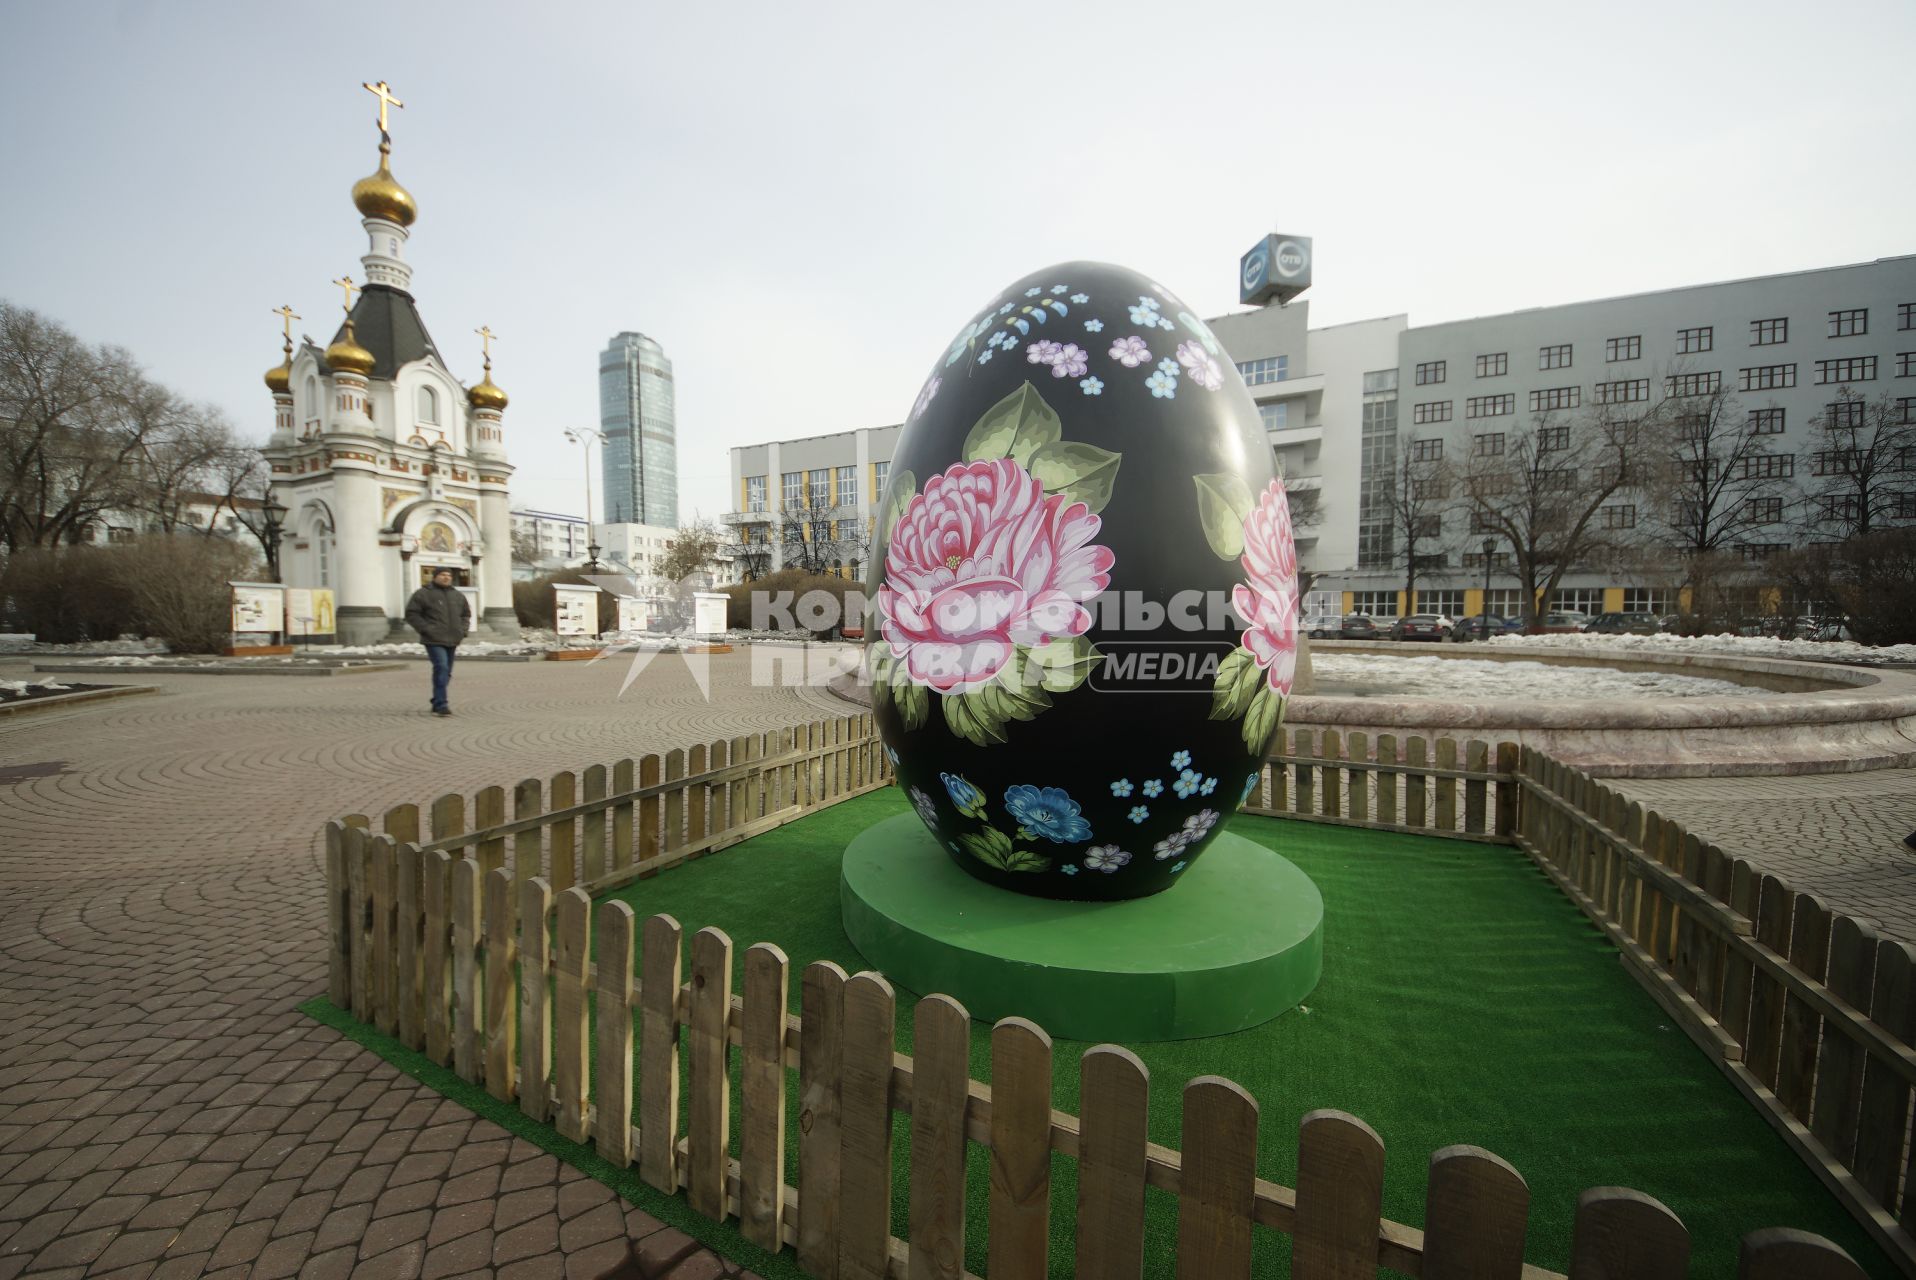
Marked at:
<point>1254,270</point>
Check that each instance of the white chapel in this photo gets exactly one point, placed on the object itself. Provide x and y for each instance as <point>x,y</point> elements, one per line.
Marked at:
<point>389,467</point>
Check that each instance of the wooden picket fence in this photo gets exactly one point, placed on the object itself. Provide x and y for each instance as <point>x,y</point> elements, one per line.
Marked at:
<point>488,966</point>
<point>1809,1013</point>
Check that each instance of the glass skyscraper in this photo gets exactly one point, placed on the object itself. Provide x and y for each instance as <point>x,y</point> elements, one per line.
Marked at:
<point>641,458</point>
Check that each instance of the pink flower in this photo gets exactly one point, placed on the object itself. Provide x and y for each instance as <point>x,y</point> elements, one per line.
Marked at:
<point>1200,366</point>
<point>1070,362</point>
<point>1130,352</point>
<point>980,562</point>
<point>1267,599</point>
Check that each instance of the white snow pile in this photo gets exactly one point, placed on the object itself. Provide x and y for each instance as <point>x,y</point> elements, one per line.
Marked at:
<point>1741,646</point>
<point>413,649</point>
<point>1461,679</point>
<point>22,688</point>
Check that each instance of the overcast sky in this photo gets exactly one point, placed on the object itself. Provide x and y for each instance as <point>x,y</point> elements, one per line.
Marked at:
<point>802,202</point>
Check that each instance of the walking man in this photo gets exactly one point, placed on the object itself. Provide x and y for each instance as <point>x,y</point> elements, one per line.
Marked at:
<point>440,614</point>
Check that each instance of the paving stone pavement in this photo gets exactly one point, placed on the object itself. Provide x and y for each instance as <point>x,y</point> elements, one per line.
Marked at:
<point>164,1111</point>
<point>1838,836</point>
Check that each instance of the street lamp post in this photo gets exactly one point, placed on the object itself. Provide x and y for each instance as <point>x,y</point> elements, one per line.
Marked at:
<point>1490,546</point>
<point>272,515</point>
<point>587,437</point>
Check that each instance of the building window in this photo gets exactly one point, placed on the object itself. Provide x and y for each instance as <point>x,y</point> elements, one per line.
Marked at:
<point>755,493</point>
<point>1493,366</point>
<point>1502,602</point>
<point>792,490</point>
<point>1648,600</point>
<point>1555,398</point>
<point>1763,510</point>
<point>1554,357</point>
<point>1621,516</point>
<point>1854,369</point>
<point>1433,371</point>
<point>1839,506</point>
<point>1378,604</point>
<point>1426,450</point>
<point>1625,392</point>
<point>1761,550</point>
<point>1450,603</point>
<point>1905,364</point>
<point>1769,466</point>
<point>1557,480</point>
<point>1380,381</point>
<point>819,488</point>
<point>1695,384</point>
<point>1432,488</point>
<point>1552,439</point>
<point>1903,505</point>
<point>1275,416</point>
<point>1431,411</point>
<point>1767,377</point>
<point>1906,410</point>
<point>1767,333</point>
<point>881,472</point>
<point>428,405</point>
<point>1692,341</point>
<point>1490,445</point>
<point>1269,369</point>
<point>848,486</point>
<point>1834,462</point>
<point>1581,599</point>
<point>1844,415</point>
<point>1490,406</point>
<point>1906,315</point>
<point>1630,348</point>
<point>1430,526</point>
<point>1766,422</point>
<point>1849,324</point>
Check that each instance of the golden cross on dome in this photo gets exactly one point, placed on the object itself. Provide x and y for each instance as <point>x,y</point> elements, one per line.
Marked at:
<point>486,335</point>
<point>287,316</point>
<point>346,283</point>
<point>384,93</point>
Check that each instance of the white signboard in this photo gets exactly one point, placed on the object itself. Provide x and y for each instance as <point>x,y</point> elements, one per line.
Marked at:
<point>708,612</point>
<point>575,609</point>
<point>635,614</point>
<point>472,598</point>
<point>258,607</point>
<point>309,611</point>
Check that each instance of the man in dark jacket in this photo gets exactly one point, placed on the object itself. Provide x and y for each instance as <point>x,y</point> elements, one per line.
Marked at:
<point>440,614</point>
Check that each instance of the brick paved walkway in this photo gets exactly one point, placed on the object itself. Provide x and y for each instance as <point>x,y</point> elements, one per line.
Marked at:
<point>1838,836</point>
<point>163,1110</point>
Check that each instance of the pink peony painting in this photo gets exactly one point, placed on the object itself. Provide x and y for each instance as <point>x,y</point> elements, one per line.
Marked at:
<point>1266,601</point>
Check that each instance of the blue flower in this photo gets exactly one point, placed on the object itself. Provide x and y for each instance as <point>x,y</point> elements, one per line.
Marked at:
<point>1122,787</point>
<point>1181,760</point>
<point>1006,309</point>
<point>984,357</point>
<point>1092,386</point>
<point>1140,315</point>
<point>1011,343</point>
<point>1047,812</point>
<point>1154,788</point>
<point>1250,785</point>
<point>1163,386</point>
<point>1187,784</point>
<point>1094,326</point>
<point>1059,288</point>
<point>966,798</point>
<point>1179,867</point>
<point>1033,291</point>
<point>1138,813</point>
<point>1165,324</point>
<point>1081,298</point>
<point>995,338</point>
<point>1069,868</point>
<point>926,806</point>
<point>1170,366</point>
<point>1210,785</point>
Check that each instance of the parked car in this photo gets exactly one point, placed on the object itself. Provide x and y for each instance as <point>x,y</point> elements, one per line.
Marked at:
<point>1357,626</point>
<point>1323,626</point>
<point>1478,625</point>
<point>1635,624</point>
<point>1564,621</point>
<point>1421,626</point>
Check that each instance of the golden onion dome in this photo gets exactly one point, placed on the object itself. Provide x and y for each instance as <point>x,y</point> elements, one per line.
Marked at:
<point>279,378</point>
<point>379,195</point>
<point>346,355</point>
<point>487,394</point>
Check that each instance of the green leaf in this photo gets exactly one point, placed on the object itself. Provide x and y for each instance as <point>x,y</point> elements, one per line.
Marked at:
<point>1081,472</point>
<point>1224,504</point>
<point>993,848</point>
<point>898,495</point>
<point>914,704</point>
<point>1238,680</point>
<point>1026,860</point>
<point>971,717</point>
<point>1267,712</point>
<point>1014,428</point>
<point>1064,664</point>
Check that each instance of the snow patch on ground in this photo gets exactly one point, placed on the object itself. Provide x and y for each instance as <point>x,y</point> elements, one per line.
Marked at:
<point>1740,646</point>
<point>21,688</point>
<point>1368,675</point>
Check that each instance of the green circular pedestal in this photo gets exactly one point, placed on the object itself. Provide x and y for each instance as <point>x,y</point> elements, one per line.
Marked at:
<point>1237,941</point>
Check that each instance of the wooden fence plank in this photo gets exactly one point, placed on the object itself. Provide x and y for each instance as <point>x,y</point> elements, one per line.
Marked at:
<point>467,1017</point>
<point>1802,1024</point>
<point>661,940</point>
<point>382,875</point>
<point>1507,789</point>
<point>501,923</point>
<point>1114,1089</point>
<point>1340,1189</point>
<point>436,956</point>
<point>674,837</point>
<point>741,789</point>
<point>1475,1211</point>
<point>1839,1070</point>
<point>358,854</point>
<point>592,841</point>
<point>761,1106</point>
<point>695,796</point>
<point>650,768</point>
<point>941,1079</point>
<point>449,820</point>
<point>821,1051</point>
<point>1387,783</point>
<point>528,856</point>
<point>1715,882</point>
<point>339,917</point>
<point>1415,753</point>
<point>623,782</point>
<point>1782,1253</point>
<point>1217,1191</point>
<point>1358,749</point>
<point>1476,790</point>
<point>535,1003</point>
<point>573,954</point>
<point>489,810</point>
<point>1739,974</point>
<point>719,807</point>
<point>864,1174</point>
<point>1305,799</point>
<point>613,987</point>
<point>1019,1214</point>
<point>1447,787</point>
<point>1330,778</point>
<point>708,1087</point>
<point>401,822</point>
<point>1620,1232</point>
<point>1763,1049</point>
<point>409,929</point>
<point>1884,1112</point>
<point>562,836</point>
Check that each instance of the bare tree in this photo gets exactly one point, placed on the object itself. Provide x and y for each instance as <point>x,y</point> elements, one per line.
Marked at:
<point>692,552</point>
<point>1539,489</point>
<point>811,539</point>
<point>1420,486</point>
<point>1711,477</point>
<point>1862,465</point>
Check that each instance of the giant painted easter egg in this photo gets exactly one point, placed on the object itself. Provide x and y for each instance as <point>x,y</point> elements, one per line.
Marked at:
<point>1084,589</point>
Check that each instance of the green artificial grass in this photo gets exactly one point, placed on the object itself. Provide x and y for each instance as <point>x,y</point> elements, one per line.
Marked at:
<point>1464,1000</point>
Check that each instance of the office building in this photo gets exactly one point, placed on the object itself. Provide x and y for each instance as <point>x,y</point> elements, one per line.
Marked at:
<point>636,414</point>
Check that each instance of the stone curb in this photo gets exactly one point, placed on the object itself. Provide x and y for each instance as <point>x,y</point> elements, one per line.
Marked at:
<point>32,705</point>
